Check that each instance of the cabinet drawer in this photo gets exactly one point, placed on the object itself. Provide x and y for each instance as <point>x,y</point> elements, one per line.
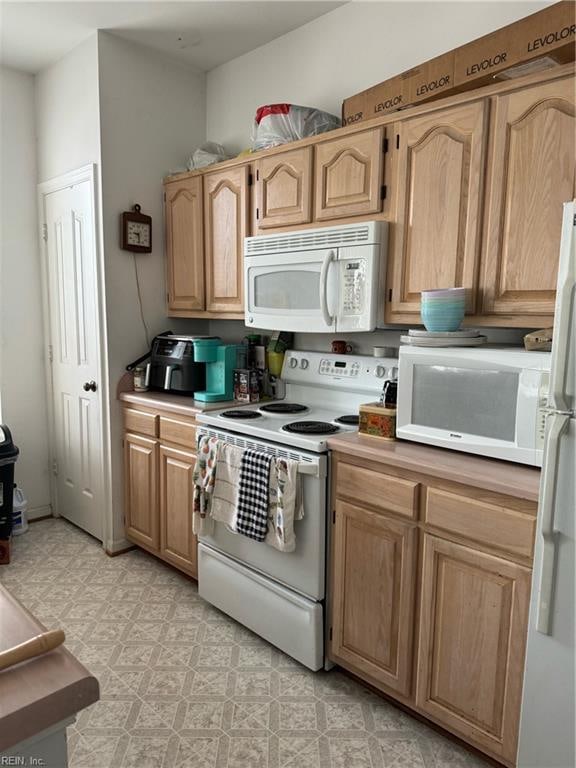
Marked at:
<point>176,431</point>
<point>384,491</point>
<point>139,421</point>
<point>479,521</point>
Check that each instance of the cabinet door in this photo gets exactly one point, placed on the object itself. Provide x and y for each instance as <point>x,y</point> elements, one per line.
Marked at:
<point>473,623</point>
<point>225,227</point>
<point>184,244</point>
<point>436,239</point>
<point>373,596</point>
<point>532,172</point>
<point>141,490</point>
<point>284,189</point>
<point>177,542</point>
<point>348,175</point>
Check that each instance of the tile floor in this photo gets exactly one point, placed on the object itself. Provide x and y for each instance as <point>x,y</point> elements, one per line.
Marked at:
<point>183,686</point>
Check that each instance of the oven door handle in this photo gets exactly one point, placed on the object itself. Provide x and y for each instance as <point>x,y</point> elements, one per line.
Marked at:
<point>328,259</point>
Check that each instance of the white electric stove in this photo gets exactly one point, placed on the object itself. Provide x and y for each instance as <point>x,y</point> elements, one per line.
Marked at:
<point>279,595</point>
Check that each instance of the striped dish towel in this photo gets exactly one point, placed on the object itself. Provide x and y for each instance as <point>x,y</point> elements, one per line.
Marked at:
<point>253,486</point>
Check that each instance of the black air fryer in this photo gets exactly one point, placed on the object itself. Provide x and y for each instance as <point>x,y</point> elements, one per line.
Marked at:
<point>172,367</point>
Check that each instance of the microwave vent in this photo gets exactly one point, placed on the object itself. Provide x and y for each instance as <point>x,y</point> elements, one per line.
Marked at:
<point>331,237</point>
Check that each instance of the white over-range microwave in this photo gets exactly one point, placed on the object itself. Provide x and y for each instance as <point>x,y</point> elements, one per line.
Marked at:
<point>490,401</point>
<point>327,280</point>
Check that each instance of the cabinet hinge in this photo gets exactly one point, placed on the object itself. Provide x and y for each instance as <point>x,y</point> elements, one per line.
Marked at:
<point>575,219</point>
<point>385,146</point>
<point>383,192</point>
<point>333,516</point>
<point>257,175</point>
<point>257,213</point>
<point>50,353</point>
<point>164,196</point>
<point>250,179</point>
<point>397,141</point>
<point>330,633</point>
<point>45,232</point>
<point>389,294</point>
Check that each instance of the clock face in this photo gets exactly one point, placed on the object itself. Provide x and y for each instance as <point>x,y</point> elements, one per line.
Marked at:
<point>138,233</point>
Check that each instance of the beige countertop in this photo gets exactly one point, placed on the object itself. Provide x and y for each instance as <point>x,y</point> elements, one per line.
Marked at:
<point>43,691</point>
<point>181,404</point>
<point>492,475</point>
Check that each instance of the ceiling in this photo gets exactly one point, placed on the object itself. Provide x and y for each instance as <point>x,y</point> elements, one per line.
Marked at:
<point>201,35</point>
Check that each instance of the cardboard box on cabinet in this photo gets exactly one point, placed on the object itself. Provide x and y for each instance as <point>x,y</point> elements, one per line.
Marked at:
<point>540,41</point>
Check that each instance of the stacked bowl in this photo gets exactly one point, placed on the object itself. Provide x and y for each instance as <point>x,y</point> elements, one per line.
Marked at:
<point>443,310</point>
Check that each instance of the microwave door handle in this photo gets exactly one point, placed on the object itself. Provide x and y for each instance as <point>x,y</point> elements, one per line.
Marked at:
<point>561,343</point>
<point>328,259</point>
<point>559,423</point>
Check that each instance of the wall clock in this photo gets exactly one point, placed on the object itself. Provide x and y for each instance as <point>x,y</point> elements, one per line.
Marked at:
<point>136,231</point>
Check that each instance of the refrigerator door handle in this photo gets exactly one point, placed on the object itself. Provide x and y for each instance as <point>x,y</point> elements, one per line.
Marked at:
<point>559,423</point>
<point>562,315</point>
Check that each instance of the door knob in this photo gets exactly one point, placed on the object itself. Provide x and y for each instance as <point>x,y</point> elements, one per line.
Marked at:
<point>90,386</point>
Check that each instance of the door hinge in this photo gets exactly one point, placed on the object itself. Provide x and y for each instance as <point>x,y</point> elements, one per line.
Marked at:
<point>45,232</point>
<point>50,353</point>
<point>385,146</point>
<point>397,141</point>
<point>383,192</point>
<point>250,179</point>
<point>54,467</point>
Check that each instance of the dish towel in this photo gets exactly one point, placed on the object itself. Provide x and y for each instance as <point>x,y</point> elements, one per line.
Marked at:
<point>225,494</point>
<point>203,477</point>
<point>253,487</point>
<point>285,504</point>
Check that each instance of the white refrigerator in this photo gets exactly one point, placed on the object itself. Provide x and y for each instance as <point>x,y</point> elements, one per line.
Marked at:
<point>548,711</point>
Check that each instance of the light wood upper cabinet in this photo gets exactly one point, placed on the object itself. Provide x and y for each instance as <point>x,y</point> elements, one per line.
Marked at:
<point>436,235</point>
<point>284,189</point>
<point>348,175</point>
<point>177,542</point>
<point>373,594</point>
<point>226,216</point>
<point>184,244</point>
<point>141,490</point>
<point>532,172</point>
<point>473,619</point>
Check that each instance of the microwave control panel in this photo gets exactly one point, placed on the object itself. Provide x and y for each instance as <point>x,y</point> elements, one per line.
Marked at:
<point>542,412</point>
<point>353,287</point>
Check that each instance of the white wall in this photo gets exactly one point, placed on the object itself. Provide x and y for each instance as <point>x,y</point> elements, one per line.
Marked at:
<point>343,52</point>
<point>67,112</point>
<point>152,115</point>
<point>22,376</point>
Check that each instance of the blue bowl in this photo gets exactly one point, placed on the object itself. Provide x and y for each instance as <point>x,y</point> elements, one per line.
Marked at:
<point>439,317</point>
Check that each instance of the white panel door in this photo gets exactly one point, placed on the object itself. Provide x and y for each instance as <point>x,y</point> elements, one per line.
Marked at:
<point>72,292</point>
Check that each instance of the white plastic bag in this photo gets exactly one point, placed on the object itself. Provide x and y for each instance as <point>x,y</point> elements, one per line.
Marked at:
<point>276,124</point>
<point>207,154</point>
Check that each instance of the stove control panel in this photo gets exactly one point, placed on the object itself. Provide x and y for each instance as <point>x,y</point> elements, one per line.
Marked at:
<point>347,372</point>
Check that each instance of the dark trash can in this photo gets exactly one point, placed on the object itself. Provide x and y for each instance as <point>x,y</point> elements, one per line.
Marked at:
<point>8,456</point>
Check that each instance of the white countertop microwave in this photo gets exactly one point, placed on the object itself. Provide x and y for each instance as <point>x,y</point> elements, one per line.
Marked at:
<point>490,400</point>
<point>328,280</point>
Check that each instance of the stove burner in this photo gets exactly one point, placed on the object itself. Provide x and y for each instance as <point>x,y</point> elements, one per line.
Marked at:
<point>283,408</point>
<point>240,414</point>
<point>310,427</point>
<point>353,419</point>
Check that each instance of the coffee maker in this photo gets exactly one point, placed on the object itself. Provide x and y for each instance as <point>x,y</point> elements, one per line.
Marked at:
<point>220,361</point>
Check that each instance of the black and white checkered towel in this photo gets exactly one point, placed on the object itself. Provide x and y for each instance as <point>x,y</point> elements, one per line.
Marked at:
<point>252,509</point>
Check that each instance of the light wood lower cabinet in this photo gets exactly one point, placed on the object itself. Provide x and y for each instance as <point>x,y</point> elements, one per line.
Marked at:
<point>141,490</point>
<point>177,542</point>
<point>373,594</point>
<point>473,619</point>
<point>158,468</point>
<point>433,608</point>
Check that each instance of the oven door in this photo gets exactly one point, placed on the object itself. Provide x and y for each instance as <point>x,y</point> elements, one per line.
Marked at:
<point>303,569</point>
<point>292,291</point>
